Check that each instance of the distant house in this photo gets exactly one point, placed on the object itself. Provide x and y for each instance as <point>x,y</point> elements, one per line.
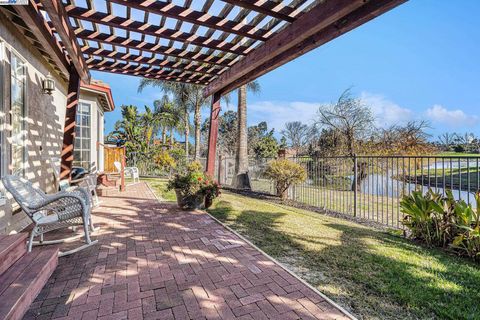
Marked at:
<point>32,119</point>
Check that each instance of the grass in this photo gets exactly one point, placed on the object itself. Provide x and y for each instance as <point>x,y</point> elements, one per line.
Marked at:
<point>373,274</point>
<point>159,186</point>
<point>457,154</point>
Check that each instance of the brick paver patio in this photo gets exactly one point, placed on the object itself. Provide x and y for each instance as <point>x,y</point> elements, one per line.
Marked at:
<point>156,262</point>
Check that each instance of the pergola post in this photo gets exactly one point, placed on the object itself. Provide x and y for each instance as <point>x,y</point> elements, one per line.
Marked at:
<point>73,96</point>
<point>213,134</point>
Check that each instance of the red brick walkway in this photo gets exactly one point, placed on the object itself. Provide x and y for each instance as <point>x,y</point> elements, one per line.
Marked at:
<point>155,262</point>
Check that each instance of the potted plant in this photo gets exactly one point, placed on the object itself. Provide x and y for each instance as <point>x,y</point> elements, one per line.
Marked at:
<point>211,189</point>
<point>193,188</point>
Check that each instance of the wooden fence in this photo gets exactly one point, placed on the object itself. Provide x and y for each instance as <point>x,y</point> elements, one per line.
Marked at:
<point>112,154</point>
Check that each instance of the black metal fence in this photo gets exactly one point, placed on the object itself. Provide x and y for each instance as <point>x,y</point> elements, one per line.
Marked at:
<point>369,187</point>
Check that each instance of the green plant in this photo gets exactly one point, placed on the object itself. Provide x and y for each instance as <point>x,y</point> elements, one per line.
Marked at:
<point>468,223</point>
<point>285,173</point>
<point>443,221</point>
<point>430,217</point>
<point>192,185</point>
<point>211,189</point>
<point>164,160</point>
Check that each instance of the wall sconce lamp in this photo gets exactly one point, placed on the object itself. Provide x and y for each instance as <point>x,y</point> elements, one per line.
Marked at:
<point>48,85</point>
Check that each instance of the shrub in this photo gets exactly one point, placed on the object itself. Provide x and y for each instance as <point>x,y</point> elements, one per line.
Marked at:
<point>285,173</point>
<point>429,217</point>
<point>468,224</point>
<point>443,221</point>
<point>164,160</point>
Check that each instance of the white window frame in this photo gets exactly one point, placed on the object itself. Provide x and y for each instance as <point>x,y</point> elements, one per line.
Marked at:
<point>3,149</point>
<point>24,132</point>
<point>80,162</point>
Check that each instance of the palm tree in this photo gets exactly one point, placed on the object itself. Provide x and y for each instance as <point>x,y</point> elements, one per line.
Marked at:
<point>182,93</point>
<point>192,94</point>
<point>168,117</point>
<point>241,159</point>
<point>150,126</point>
<point>198,101</point>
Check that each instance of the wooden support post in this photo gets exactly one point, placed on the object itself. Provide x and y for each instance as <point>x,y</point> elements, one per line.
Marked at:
<point>122,173</point>
<point>213,134</point>
<point>73,95</point>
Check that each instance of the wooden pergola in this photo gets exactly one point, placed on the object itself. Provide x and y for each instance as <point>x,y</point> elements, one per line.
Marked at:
<point>221,44</point>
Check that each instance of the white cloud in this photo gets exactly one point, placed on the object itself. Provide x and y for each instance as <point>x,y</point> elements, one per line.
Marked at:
<point>277,113</point>
<point>386,112</point>
<point>452,118</point>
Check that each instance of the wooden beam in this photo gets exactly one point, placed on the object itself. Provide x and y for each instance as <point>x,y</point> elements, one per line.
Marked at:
<point>152,61</point>
<point>139,70</point>
<point>154,48</point>
<point>152,30</point>
<point>268,7</point>
<point>321,24</point>
<point>73,96</point>
<point>170,10</point>
<point>32,18</point>
<point>213,135</point>
<point>148,75</point>
<point>60,21</point>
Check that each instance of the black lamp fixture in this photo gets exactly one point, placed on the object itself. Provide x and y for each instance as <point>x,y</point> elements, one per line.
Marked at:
<point>48,85</point>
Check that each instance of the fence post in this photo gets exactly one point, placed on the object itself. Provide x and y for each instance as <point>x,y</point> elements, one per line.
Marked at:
<point>220,168</point>
<point>355,186</point>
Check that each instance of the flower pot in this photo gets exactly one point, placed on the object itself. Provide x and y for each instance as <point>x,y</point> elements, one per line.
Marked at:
<point>189,202</point>
<point>208,202</point>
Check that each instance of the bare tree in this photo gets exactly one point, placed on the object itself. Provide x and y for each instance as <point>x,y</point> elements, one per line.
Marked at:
<point>447,139</point>
<point>413,138</point>
<point>349,116</point>
<point>296,134</point>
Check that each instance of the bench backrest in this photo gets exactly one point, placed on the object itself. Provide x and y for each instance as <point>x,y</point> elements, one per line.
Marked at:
<point>24,193</point>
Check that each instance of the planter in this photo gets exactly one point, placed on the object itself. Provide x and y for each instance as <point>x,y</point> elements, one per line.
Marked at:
<point>208,202</point>
<point>189,202</point>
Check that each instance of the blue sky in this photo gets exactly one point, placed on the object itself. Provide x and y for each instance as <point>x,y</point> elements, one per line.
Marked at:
<point>418,61</point>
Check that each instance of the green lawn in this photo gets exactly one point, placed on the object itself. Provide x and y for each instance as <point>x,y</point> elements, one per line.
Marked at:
<point>457,154</point>
<point>373,274</point>
<point>159,187</point>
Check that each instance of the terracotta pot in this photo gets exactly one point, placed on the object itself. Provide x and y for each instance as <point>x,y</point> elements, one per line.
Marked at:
<point>189,202</point>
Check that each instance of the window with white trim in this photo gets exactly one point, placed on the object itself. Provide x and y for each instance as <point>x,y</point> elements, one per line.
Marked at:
<point>82,152</point>
<point>18,114</point>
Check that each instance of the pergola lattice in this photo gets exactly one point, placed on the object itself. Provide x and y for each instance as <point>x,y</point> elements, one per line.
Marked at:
<point>221,44</point>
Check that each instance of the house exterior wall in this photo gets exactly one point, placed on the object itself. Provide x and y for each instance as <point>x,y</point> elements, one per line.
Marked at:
<point>45,116</point>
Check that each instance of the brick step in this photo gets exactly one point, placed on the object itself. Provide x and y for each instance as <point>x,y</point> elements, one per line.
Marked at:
<point>22,282</point>
<point>108,180</point>
<point>12,248</point>
<point>103,191</point>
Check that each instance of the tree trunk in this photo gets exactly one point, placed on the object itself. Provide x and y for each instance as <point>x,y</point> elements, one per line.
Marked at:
<point>164,135</point>
<point>197,131</point>
<point>172,139</point>
<point>241,180</point>
<point>187,133</point>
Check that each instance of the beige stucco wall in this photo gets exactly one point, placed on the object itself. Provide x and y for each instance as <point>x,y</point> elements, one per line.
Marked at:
<point>44,121</point>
